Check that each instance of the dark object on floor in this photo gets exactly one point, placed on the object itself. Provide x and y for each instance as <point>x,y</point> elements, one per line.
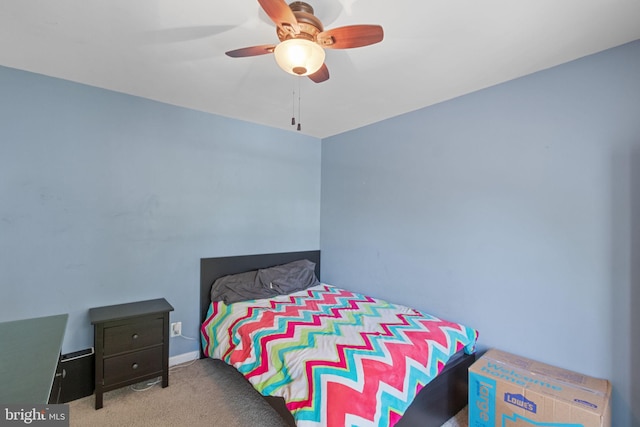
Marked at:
<point>78,375</point>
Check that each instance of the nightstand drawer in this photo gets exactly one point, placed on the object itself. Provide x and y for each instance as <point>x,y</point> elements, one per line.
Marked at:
<point>134,335</point>
<point>132,365</point>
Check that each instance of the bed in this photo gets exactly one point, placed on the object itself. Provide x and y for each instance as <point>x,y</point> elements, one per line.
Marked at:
<point>437,395</point>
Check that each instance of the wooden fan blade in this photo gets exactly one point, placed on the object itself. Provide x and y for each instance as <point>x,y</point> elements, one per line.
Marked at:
<point>251,51</point>
<point>350,36</point>
<point>281,14</point>
<point>321,75</point>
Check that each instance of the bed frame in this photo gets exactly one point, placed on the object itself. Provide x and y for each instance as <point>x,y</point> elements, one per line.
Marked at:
<point>438,401</point>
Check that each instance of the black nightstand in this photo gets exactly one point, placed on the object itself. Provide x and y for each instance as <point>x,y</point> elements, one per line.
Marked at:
<point>132,344</point>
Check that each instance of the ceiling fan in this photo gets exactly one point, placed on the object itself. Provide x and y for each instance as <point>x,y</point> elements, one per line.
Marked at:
<point>303,39</point>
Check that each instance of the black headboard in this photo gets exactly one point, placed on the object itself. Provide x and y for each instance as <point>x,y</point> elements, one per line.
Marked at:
<point>213,268</point>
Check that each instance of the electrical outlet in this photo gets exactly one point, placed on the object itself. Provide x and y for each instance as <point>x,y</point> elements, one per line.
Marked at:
<point>176,329</point>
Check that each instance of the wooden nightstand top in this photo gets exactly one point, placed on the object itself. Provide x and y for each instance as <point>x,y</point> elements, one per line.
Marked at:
<point>132,309</point>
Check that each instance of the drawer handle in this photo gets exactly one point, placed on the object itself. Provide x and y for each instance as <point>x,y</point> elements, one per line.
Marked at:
<point>134,336</point>
<point>134,366</point>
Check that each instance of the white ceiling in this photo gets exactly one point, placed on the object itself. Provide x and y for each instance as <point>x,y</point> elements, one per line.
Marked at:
<point>173,51</point>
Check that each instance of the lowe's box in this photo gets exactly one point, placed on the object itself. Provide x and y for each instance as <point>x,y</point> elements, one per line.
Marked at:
<point>506,390</point>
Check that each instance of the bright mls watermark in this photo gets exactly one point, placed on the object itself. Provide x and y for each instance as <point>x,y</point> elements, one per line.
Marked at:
<point>36,415</point>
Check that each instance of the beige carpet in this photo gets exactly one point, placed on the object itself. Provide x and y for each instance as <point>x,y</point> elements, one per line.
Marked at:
<point>201,393</point>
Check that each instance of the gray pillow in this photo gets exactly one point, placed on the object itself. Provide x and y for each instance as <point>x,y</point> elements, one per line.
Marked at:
<point>240,287</point>
<point>289,278</point>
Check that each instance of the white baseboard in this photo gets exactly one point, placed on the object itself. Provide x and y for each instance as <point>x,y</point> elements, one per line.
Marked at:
<point>183,358</point>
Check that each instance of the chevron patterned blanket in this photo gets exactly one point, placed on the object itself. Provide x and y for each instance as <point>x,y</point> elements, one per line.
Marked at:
<point>338,358</point>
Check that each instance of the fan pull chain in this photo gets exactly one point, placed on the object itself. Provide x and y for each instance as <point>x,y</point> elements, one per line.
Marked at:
<point>293,106</point>
<point>293,102</point>
<point>299,118</point>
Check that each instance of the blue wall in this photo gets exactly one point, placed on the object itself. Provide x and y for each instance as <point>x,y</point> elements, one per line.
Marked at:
<point>515,209</point>
<point>107,198</point>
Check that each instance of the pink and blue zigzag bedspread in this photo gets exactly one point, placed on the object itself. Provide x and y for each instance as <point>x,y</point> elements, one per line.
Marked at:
<point>337,358</point>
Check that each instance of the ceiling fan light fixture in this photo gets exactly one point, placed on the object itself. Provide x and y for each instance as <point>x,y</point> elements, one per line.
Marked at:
<point>299,57</point>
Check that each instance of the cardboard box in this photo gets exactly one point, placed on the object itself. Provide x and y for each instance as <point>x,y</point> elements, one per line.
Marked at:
<point>506,390</point>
